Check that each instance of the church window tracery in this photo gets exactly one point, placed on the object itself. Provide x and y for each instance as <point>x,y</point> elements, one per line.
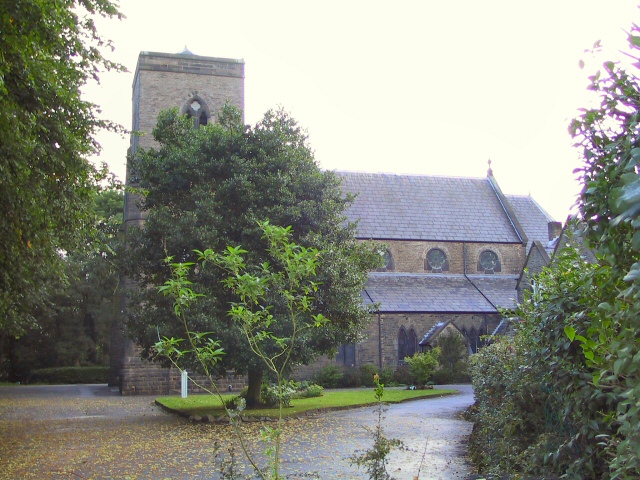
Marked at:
<point>388,261</point>
<point>197,109</point>
<point>488,262</point>
<point>407,344</point>
<point>436,261</point>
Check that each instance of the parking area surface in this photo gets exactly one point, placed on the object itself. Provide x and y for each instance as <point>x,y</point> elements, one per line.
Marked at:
<point>91,431</point>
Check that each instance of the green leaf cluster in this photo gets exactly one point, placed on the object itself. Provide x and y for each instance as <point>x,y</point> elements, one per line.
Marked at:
<point>210,188</point>
<point>574,364</point>
<point>423,365</point>
<point>48,51</point>
<point>73,321</point>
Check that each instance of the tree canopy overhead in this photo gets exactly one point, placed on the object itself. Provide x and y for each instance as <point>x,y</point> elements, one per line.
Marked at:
<point>48,51</point>
<point>209,188</point>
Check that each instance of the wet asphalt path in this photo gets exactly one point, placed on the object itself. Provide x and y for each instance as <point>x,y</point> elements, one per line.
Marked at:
<point>90,431</point>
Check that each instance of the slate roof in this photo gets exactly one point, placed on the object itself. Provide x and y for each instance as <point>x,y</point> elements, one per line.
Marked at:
<point>421,207</point>
<point>532,217</point>
<point>435,331</point>
<point>499,289</point>
<point>426,293</point>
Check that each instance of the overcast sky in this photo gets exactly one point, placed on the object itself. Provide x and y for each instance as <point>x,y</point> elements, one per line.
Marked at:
<point>428,87</point>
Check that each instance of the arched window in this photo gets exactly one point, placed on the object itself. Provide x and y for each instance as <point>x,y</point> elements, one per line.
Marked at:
<point>412,343</point>
<point>407,344</point>
<point>436,261</point>
<point>197,109</point>
<point>488,262</point>
<point>402,344</point>
<point>474,339</point>
<point>388,261</point>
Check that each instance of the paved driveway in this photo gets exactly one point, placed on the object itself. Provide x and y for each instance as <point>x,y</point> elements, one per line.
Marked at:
<point>92,432</point>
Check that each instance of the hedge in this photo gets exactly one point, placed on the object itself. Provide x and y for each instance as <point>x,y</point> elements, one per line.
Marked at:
<point>66,375</point>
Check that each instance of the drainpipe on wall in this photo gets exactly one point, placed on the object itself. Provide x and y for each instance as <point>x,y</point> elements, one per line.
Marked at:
<point>464,266</point>
<point>464,262</point>
<point>379,331</point>
<point>380,339</point>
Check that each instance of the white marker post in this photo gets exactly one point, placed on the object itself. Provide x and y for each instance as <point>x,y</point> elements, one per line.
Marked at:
<point>184,383</point>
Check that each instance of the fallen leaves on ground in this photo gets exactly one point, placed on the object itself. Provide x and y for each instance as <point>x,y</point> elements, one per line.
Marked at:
<point>131,438</point>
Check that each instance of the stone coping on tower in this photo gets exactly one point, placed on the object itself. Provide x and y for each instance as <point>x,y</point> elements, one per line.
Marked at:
<point>187,63</point>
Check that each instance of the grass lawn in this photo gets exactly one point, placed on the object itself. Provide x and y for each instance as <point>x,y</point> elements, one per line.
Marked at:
<point>332,399</point>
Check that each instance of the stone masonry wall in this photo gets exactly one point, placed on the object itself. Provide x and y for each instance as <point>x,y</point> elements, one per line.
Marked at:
<point>141,377</point>
<point>409,256</point>
<point>368,351</point>
<point>164,81</point>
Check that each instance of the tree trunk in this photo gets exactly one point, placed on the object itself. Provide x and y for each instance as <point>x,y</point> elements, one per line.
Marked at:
<point>255,382</point>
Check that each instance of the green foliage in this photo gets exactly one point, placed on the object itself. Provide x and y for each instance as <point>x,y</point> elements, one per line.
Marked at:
<point>422,365</point>
<point>570,404</point>
<point>49,50</point>
<point>69,375</point>
<point>402,375</point>
<point>351,377</point>
<point>454,352</point>
<point>328,376</point>
<point>387,377</point>
<point>287,279</point>
<point>511,409</point>
<point>73,326</point>
<point>208,189</point>
<point>610,209</point>
<point>374,459</point>
<point>274,395</point>
<point>310,391</point>
<point>367,374</point>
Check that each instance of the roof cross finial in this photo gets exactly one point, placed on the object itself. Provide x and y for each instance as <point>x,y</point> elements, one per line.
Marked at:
<point>489,172</point>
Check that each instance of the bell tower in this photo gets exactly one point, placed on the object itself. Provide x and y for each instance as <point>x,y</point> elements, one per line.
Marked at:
<point>199,87</point>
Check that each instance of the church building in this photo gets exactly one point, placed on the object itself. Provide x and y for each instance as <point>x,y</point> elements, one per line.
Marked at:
<point>456,247</point>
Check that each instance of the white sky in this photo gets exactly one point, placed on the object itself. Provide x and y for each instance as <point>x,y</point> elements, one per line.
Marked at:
<point>420,86</point>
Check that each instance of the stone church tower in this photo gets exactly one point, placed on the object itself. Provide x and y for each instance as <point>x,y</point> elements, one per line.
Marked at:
<point>199,87</point>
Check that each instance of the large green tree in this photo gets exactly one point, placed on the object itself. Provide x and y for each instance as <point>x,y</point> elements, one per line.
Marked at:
<point>48,50</point>
<point>209,188</point>
<point>73,324</point>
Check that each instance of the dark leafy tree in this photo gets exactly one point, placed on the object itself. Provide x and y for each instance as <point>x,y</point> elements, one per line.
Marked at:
<point>48,51</point>
<point>72,326</point>
<point>209,188</point>
<point>567,398</point>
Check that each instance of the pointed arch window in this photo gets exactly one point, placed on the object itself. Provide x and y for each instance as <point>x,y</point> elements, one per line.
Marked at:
<point>197,109</point>
<point>402,344</point>
<point>412,343</point>
<point>407,344</point>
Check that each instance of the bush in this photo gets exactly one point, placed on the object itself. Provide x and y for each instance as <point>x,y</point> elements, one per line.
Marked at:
<point>69,375</point>
<point>402,376</point>
<point>311,391</point>
<point>233,402</point>
<point>271,398</point>
<point>511,409</point>
<point>387,377</point>
<point>366,375</point>
<point>329,376</point>
<point>351,378</point>
<point>422,365</point>
<point>445,376</point>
